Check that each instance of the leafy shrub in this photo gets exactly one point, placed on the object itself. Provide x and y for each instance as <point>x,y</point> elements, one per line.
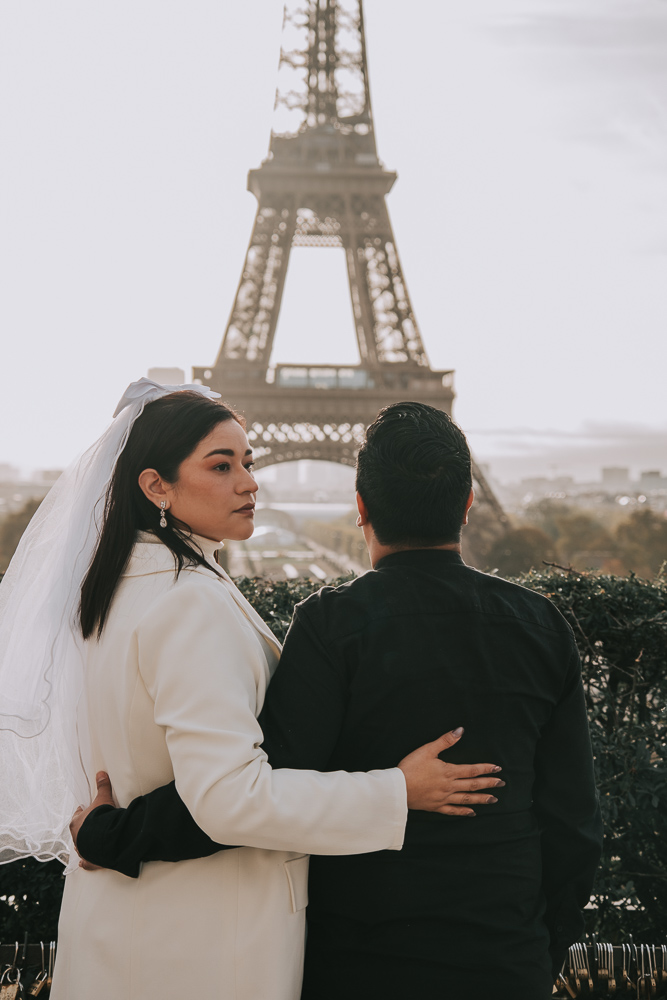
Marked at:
<point>32,891</point>
<point>620,625</point>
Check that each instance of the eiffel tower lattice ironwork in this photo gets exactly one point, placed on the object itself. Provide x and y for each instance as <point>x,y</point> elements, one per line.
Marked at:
<point>322,185</point>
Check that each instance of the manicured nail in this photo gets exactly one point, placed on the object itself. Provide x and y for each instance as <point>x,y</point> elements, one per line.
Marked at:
<point>500,784</point>
<point>458,732</point>
<point>492,798</point>
<point>495,768</point>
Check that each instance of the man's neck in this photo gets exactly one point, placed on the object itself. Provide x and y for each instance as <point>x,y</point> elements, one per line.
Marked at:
<point>377,551</point>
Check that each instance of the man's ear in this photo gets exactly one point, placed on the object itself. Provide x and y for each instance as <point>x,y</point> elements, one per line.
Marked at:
<point>469,503</point>
<point>363,513</point>
<point>153,487</point>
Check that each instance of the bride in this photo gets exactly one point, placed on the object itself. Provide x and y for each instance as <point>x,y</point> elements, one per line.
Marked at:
<point>125,648</point>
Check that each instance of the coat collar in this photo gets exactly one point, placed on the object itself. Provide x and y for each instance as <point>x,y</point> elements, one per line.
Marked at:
<point>422,558</point>
<point>150,555</point>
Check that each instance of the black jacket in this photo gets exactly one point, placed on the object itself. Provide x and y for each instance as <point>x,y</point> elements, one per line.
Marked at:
<point>370,671</point>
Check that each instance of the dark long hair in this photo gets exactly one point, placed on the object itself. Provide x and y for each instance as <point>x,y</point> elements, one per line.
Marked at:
<point>168,430</point>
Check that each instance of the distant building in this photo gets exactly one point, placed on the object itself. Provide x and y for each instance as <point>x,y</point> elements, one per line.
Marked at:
<point>540,485</point>
<point>307,480</point>
<point>47,475</point>
<point>615,477</point>
<point>167,376</point>
<point>8,473</point>
<point>652,479</point>
<point>535,484</point>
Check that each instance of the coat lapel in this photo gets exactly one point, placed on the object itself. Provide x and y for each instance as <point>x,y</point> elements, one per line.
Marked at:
<point>247,609</point>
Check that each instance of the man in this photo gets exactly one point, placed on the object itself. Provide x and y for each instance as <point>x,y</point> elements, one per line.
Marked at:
<point>477,907</point>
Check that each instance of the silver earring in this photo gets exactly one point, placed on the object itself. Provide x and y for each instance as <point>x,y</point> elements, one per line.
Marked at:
<point>163,516</point>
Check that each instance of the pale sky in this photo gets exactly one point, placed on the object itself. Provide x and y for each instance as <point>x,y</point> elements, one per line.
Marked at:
<point>530,139</point>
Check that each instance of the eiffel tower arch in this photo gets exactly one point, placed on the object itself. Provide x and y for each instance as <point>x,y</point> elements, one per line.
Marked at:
<point>323,185</point>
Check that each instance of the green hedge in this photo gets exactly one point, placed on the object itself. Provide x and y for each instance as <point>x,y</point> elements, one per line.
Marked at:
<point>620,624</point>
<point>621,628</point>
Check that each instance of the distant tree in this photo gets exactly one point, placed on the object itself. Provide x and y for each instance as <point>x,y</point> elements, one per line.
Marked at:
<point>12,527</point>
<point>520,550</point>
<point>642,542</point>
<point>579,533</point>
<point>546,514</point>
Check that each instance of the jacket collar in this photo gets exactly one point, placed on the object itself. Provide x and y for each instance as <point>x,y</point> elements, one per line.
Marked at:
<point>421,558</point>
<point>150,555</point>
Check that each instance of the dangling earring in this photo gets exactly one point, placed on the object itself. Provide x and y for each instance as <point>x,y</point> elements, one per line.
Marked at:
<point>163,516</point>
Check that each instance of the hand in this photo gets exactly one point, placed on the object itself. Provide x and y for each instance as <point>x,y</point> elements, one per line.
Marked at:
<point>104,797</point>
<point>435,786</point>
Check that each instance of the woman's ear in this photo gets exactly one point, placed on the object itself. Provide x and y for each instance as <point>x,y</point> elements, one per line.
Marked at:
<point>153,487</point>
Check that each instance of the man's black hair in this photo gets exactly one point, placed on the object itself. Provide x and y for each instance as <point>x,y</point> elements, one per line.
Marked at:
<point>414,476</point>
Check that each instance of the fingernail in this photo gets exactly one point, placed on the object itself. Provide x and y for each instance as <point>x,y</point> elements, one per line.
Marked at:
<point>492,798</point>
<point>500,784</point>
<point>458,732</point>
<point>495,768</point>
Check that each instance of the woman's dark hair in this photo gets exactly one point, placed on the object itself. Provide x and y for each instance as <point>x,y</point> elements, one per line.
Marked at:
<point>168,430</point>
<point>414,475</point>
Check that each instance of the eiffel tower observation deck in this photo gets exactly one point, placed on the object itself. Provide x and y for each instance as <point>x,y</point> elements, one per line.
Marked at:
<point>323,185</point>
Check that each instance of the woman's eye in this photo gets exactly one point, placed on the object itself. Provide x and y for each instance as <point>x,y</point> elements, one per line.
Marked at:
<point>250,466</point>
<point>224,467</point>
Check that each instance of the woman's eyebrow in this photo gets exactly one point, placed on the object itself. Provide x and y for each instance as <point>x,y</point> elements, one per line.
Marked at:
<point>225,451</point>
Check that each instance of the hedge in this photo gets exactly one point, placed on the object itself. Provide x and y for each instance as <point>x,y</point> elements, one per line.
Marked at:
<point>620,624</point>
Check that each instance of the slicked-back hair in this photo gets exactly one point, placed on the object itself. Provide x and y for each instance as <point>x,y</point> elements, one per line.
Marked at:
<point>168,430</point>
<point>414,475</point>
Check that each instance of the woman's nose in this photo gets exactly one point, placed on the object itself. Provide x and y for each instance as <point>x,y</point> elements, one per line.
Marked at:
<point>248,484</point>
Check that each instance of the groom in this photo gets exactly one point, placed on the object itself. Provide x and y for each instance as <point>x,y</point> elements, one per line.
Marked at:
<point>484,906</point>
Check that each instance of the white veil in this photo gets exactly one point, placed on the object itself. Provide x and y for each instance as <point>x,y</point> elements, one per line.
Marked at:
<point>44,745</point>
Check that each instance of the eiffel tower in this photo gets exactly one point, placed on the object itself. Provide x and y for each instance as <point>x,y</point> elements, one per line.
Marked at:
<point>322,185</point>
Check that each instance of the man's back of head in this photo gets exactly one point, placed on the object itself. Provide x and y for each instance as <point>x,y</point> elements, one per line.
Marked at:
<point>414,476</point>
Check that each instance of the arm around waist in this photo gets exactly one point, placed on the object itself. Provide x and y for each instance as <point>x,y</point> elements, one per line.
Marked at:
<point>202,665</point>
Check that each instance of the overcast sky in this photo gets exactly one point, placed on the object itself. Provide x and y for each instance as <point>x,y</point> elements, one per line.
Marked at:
<point>530,139</point>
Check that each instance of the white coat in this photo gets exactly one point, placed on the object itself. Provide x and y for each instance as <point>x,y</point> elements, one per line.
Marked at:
<point>174,688</point>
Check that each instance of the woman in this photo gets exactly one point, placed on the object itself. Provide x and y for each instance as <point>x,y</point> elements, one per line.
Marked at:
<point>174,664</point>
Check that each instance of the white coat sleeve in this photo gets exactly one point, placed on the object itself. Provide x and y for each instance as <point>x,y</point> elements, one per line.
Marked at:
<point>201,665</point>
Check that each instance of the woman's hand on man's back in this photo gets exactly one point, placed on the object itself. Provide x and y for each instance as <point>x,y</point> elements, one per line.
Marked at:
<point>436,786</point>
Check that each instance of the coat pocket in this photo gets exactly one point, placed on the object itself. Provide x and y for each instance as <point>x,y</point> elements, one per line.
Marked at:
<point>297,879</point>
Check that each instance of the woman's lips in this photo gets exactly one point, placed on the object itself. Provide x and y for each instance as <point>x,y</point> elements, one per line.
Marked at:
<point>248,509</point>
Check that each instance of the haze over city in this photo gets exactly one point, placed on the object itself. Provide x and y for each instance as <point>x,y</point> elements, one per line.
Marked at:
<point>530,139</point>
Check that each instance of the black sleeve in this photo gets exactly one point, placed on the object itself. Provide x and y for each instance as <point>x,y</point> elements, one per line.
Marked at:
<point>301,720</point>
<point>154,827</point>
<point>567,807</point>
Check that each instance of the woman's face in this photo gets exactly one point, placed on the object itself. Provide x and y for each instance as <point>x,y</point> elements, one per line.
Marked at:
<point>215,491</point>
